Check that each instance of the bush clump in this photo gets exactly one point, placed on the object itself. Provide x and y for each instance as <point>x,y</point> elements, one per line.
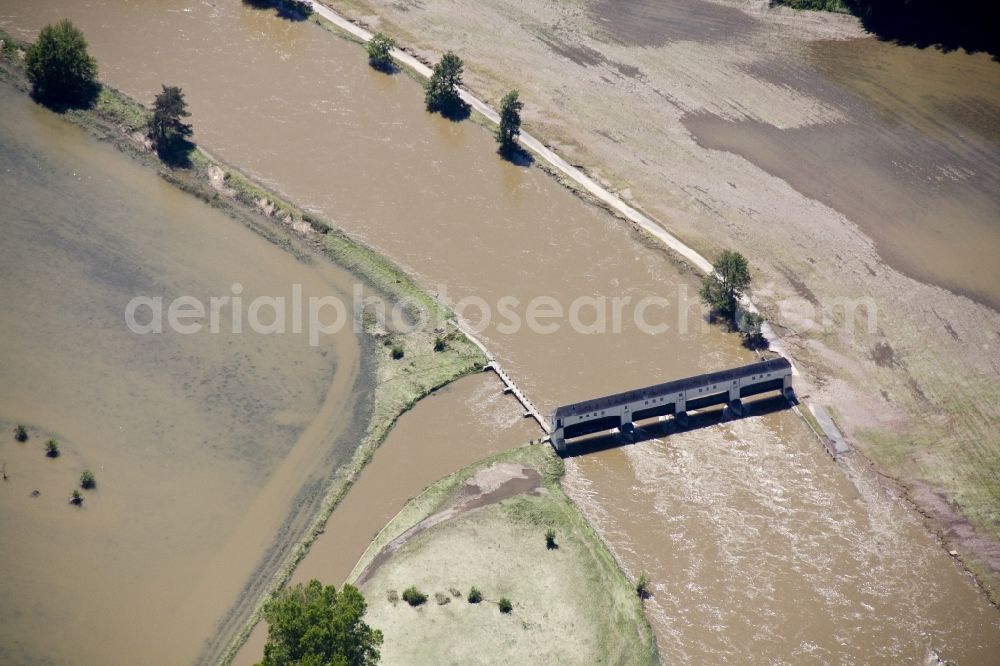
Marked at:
<point>413,596</point>
<point>52,448</point>
<point>475,596</point>
<point>21,433</point>
<point>379,48</point>
<point>87,480</point>
<point>642,587</point>
<point>505,605</point>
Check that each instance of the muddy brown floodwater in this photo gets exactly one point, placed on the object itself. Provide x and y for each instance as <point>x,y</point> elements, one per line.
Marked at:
<point>208,449</point>
<point>915,162</point>
<point>760,547</point>
<point>464,422</point>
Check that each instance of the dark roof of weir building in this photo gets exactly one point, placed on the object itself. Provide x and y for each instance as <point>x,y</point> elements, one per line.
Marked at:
<point>676,386</point>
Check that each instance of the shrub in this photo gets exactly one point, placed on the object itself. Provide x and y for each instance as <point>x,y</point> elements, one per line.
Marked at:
<point>60,69</point>
<point>379,48</point>
<point>439,344</point>
<point>397,352</point>
<point>393,597</point>
<point>87,480</point>
<point>52,448</point>
<point>76,498</point>
<point>642,586</point>
<point>475,596</point>
<point>21,433</point>
<point>442,598</point>
<point>455,592</point>
<point>413,596</point>
<point>505,605</point>
<point>550,539</point>
<point>750,329</point>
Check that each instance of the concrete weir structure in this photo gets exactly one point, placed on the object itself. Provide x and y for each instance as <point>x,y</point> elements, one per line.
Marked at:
<point>677,397</point>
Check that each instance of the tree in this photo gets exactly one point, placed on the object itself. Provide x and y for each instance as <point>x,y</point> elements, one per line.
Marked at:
<point>750,329</point>
<point>722,289</point>
<point>168,133</point>
<point>60,69</point>
<point>510,122</point>
<point>87,480</point>
<point>475,596</point>
<point>379,48</point>
<point>442,90</point>
<point>550,539</point>
<point>317,625</point>
<point>505,605</point>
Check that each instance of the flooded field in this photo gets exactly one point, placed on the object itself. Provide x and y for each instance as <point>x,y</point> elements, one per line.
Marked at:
<point>915,162</point>
<point>746,528</point>
<point>207,448</point>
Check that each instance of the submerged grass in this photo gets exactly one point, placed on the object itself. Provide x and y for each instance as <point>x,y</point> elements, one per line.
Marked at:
<point>398,384</point>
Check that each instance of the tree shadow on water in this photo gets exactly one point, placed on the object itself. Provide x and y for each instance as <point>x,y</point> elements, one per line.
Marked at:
<point>516,155</point>
<point>290,10</point>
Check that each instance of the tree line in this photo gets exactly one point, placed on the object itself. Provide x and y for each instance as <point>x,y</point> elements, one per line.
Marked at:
<point>63,75</point>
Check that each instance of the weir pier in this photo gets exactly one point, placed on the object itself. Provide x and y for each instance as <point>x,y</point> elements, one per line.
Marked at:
<point>677,398</point>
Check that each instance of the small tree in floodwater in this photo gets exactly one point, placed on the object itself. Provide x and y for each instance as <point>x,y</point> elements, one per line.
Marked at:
<point>379,50</point>
<point>52,448</point>
<point>442,90</point>
<point>76,498</point>
<point>750,329</point>
<point>87,480</point>
<point>21,433</point>
<point>166,128</point>
<point>642,587</point>
<point>510,123</point>
<point>61,72</point>
<point>723,288</point>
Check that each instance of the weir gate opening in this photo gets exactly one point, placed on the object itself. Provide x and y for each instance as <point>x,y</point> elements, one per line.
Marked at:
<point>676,398</point>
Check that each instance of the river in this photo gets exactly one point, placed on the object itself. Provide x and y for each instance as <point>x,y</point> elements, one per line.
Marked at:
<point>756,542</point>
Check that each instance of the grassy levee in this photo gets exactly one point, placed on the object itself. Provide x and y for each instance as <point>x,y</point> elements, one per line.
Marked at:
<point>571,604</point>
<point>397,383</point>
